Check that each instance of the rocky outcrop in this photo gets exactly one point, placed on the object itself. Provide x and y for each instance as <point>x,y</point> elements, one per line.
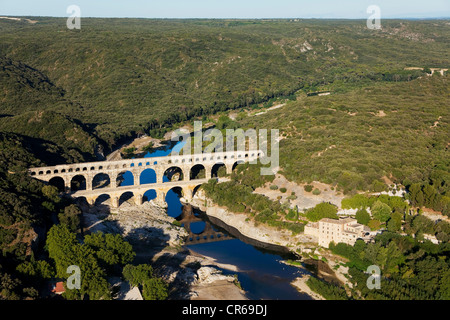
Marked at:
<point>206,275</point>
<point>146,224</point>
<point>157,240</point>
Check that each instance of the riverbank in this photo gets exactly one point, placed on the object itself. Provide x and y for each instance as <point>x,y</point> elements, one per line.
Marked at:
<point>300,284</point>
<point>159,242</point>
<point>248,228</point>
<point>324,265</point>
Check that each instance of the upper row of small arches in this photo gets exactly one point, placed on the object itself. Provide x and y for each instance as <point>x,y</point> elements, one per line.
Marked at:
<point>126,165</point>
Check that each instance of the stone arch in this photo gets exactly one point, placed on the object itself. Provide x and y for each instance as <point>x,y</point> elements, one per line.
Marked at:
<point>78,182</point>
<point>197,227</point>
<point>197,172</point>
<point>216,170</point>
<point>82,202</point>
<point>149,195</point>
<point>173,174</point>
<point>178,190</point>
<point>125,178</point>
<point>126,196</point>
<point>174,205</point>
<point>148,176</point>
<point>59,183</point>
<point>101,180</point>
<point>195,190</point>
<point>103,199</point>
<point>236,164</point>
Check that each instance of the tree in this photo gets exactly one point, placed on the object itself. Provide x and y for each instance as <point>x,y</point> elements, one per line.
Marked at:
<point>381,211</point>
<point>40,269</point>
<point>357,201</point>
<point>71,217</point>
<point>362,216</point>
<point>374,224</point>
<point>444,286</point>
<point>378,186</point>
<point>429,194</point>
<point>61,243</point>
<point>51,193</point>
<point>155,289</point>
<point>395,223</point>
<point>93,278</point>
<point>414,190</point>
<point>136,275</point>
<point>65,250</point>
<point>422,224</point>
<point>394,257</point>
<point>419,201</point>
<point>110,249</point>
<point>322,210</point>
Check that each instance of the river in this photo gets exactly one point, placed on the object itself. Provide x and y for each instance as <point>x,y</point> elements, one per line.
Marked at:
<point>261,272</point>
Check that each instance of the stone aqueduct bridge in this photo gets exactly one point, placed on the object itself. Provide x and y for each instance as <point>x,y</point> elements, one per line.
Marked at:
<point>162,166</point>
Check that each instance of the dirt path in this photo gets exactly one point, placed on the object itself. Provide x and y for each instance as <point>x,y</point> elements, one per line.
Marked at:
<point>269,109</point>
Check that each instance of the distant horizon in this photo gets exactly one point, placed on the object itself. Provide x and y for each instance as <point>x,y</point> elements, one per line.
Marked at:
<point>230,9</point>
<point>225,18</point>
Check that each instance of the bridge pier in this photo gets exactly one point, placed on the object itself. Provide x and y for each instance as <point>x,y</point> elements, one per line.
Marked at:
<point>159,175</point>
<point>89,179</point>
<point>113,179</point>
<point>161,198</point>
<point>67,181</point>
<point>91,200</point>
<point>208,172</point>
<point>114,201</point>
<point>136,177</point>
<point>138,199</point>
<point>187,193</point>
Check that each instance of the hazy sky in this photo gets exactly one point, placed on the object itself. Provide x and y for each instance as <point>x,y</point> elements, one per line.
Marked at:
<point>349,9</point>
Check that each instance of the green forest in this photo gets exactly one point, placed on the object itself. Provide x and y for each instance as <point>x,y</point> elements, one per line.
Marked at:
<point>119,77</point>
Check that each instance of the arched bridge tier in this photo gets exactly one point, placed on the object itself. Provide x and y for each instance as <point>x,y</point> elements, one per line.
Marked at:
<point>189,171</point>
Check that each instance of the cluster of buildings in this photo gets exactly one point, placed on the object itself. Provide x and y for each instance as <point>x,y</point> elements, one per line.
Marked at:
<point>345,230</point>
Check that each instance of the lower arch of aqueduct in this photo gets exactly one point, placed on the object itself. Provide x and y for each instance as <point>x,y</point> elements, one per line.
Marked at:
<point>162,166</point>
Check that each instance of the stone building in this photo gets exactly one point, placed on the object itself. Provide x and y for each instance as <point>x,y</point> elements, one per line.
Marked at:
<point>345,230</point>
